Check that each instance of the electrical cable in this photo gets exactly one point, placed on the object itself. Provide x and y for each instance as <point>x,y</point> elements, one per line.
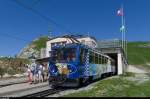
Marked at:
<point>42,16</point>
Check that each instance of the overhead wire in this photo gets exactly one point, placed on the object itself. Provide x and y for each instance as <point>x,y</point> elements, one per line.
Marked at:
<point>36,12</point>
<point>35,3</point>
<point>18,38</point>
<point>14,37</point>
<point>41,15</point>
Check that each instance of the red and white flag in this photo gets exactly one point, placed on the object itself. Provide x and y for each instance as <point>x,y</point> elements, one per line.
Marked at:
<point>120,12</point>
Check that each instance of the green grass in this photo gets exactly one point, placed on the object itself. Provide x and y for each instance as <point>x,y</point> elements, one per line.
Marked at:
<point>138,55</point>
<point>115,87</point>
<point>40,43</point>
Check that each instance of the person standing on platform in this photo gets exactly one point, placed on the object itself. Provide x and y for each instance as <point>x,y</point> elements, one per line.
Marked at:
<point>33,70</point>
<point>40,73</point>
<point>29,74</point>
<point>44,72</point>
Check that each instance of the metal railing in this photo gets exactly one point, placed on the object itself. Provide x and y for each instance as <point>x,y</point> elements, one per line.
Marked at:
<point>109,43</point>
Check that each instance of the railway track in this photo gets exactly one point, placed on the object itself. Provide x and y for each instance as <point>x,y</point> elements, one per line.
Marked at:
<point>12,83</point>
<point>22,92</point>
<point>45,93</point>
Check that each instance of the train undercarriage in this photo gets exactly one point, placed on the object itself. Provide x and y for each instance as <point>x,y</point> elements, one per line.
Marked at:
<point>63,81</point>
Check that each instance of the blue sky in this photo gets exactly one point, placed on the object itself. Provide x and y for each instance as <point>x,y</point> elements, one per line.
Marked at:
<point>98,17</point>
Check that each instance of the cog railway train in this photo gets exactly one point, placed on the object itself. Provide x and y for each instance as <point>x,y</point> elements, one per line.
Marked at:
<point>75,64</point>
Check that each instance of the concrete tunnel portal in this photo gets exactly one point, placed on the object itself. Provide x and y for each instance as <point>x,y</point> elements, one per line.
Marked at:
<point>114,57</point>
<point>118,55</point>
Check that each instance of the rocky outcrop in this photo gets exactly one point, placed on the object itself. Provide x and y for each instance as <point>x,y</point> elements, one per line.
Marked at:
<point>28,52</point>
<point>32,50</point>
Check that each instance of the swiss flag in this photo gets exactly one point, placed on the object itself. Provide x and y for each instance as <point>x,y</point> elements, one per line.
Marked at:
<point>120,12</point>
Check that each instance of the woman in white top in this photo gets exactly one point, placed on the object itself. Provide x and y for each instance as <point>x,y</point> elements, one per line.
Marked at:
<point>40,73</point>
<point>29,74</point>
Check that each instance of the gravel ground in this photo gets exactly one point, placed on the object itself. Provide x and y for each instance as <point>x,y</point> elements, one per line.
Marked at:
<point>18,90</point>
<point>29,91</point>
<point>12,80</point>
<point>68,91</point>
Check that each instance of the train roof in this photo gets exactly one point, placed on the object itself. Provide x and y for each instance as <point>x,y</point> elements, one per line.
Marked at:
<point>75,45</point>
<point>75,36</point>
<point>70,45</point>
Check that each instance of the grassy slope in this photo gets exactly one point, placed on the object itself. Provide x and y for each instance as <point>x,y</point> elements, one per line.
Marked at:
<point>115,87</point>
<point>138,55</point>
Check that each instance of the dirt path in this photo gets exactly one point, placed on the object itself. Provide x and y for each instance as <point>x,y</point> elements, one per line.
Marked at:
<point>134,69</point>
<point>140,74</point>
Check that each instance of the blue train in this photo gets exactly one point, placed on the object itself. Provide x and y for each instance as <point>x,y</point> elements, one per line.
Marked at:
<point>75,64</point>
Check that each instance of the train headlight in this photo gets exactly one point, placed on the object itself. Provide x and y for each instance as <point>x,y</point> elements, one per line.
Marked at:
<point>71,68</point>
<point>53,70</point>
<point>70,71</point>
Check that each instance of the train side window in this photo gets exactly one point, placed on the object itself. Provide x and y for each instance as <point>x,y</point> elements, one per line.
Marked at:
<point>96,58</point>
<point>100,59</point>
<point>91,57</point>
<point>105,60</point>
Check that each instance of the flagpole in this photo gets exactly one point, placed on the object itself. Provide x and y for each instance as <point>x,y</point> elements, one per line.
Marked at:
<point>121,13</point>
<point>125,38</point>
<point>124,32</point>
<point>121,26</point>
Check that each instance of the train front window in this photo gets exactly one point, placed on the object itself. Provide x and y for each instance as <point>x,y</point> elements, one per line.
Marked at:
<point>64,55</point>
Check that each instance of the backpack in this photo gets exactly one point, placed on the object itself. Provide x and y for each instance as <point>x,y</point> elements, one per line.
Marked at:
<point>33,67</point>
